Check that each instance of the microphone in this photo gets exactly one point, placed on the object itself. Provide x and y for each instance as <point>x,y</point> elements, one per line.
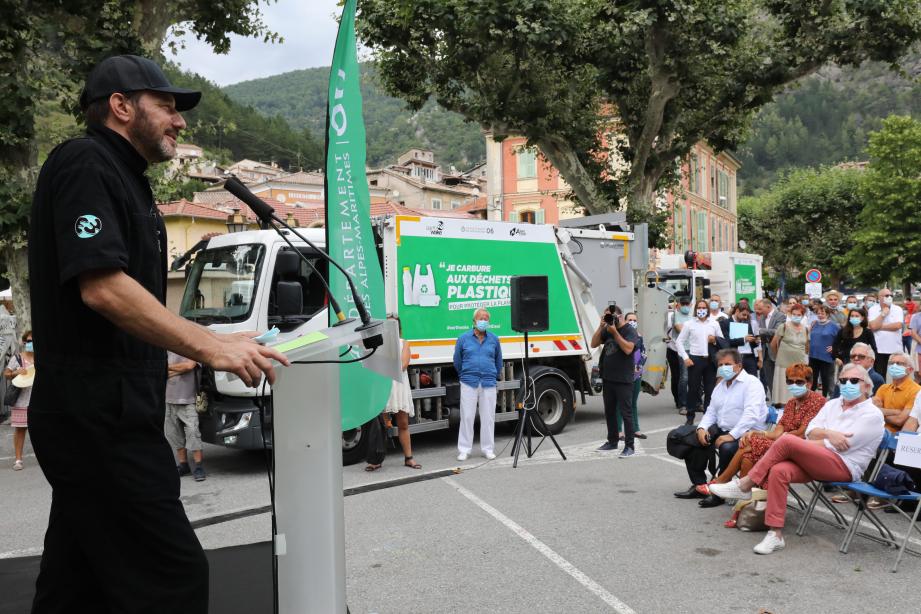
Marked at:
<point>267,214</point>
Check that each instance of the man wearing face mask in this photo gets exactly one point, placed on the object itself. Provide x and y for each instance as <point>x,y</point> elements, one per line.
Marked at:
<point>886,321</point>
<point>478,362</point>
<point>863,355</point>
<point>617,374</point>
<point>678,372</point>
<point>737,407</point>
<point>771,318</point>
<point>699,334</point>
<point>715,305</point>
<point>897,398</point>
<point>840,443</point>
<point>835,309</point>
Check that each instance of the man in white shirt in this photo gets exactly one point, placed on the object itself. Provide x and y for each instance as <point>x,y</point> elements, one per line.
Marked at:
<point>716,308</point>
<point>737,407</point>
<point>698,335</point>
<point>886,321</point>
<point>678,371</point>
<point>840,443</point>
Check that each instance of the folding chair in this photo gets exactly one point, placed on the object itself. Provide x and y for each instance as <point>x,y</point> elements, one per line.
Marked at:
<point>865,490</point>
<point>818,495</point>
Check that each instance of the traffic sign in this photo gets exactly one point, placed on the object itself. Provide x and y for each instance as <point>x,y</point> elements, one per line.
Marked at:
<point>813,276</point>
<point>814,290</point>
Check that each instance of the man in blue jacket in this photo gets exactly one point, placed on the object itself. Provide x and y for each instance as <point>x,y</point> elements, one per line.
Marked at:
<point>478,362</point>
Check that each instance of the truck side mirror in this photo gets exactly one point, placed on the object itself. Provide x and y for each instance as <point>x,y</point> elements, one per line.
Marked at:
<point>289,298</point>
<point>706,292</point>
<point>651,280</point>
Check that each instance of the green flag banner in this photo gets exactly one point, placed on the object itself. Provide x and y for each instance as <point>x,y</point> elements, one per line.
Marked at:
<point>349,237</point>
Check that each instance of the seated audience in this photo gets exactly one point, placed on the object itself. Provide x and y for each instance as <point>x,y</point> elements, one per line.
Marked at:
<point>737,406</point>
<point>797,414</point>
<point>840,443</point>
<point>897,398</point>
<point>863,355</point>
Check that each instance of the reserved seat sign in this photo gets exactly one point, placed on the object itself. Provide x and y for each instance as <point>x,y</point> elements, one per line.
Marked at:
<point>908,450</point>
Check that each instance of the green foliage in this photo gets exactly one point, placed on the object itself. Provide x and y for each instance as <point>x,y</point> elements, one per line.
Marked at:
<point>392,128</point>
<point>675,71</point>
<point>168,188</point>
<point>826,119</point>
<point>805,220</point>
<point>888,242</point>
<point>220,123</point>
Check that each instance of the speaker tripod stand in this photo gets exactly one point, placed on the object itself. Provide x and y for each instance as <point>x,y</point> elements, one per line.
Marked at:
<point>529,418</point>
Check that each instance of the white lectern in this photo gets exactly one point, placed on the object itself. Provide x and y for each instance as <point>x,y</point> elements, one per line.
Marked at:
<point>310,536</point>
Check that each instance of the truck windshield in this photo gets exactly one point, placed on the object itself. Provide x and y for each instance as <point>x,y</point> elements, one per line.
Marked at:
<point>221,284</point>
<point>679,286</point>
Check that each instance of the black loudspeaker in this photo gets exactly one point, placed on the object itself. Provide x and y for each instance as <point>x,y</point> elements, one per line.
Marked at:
<point>530,303</point>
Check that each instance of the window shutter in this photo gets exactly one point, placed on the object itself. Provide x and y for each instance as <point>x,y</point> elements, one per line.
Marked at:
<point>513,216</point>
<point>539,216</point>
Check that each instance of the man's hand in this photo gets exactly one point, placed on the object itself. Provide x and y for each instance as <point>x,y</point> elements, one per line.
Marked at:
<point>750,339</point>
<point>703,437</point>
<point>688,362</point>
<point>245,358</point>
<point>838,440</point>
<point>743,441</point>
<point>760,363</point>
<point>711,339</point>
<point>723,439</point>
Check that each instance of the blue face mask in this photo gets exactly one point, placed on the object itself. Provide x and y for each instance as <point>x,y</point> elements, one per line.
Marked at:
<point>852,305</point>
<point>897,371</point>
<point>685,309</point>
<point>796,319</point>
<point>856,321</point>
<point>28,347</point>
<point>714,305</point>
<point>482,325</point>
<point>850,392</point>
<point>727,372</point>
<point>796,390</point>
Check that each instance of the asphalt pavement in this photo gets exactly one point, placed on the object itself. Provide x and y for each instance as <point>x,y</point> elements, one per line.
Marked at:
<point>594,533</point>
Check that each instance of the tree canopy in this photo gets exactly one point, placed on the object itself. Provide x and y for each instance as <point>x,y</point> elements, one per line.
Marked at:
<point>805,220</point>
<point>887,241</point>
<point>666,73</point>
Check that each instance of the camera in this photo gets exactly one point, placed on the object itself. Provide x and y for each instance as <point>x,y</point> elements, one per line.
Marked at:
<point>608,318</point>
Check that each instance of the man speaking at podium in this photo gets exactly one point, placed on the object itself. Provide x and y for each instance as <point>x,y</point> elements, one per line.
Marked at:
<point>118,540</point>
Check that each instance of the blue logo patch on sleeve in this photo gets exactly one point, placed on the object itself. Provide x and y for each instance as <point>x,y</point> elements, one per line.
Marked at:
<point>87,226</point>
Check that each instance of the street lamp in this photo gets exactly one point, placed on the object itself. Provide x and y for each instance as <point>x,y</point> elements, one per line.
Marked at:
<point>236,222</point>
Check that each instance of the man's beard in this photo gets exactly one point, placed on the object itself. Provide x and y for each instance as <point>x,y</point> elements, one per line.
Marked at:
<point>149,140</point>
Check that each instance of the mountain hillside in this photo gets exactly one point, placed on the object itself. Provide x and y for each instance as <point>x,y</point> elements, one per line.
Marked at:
<point>823,120</point>
<point>300,97</point>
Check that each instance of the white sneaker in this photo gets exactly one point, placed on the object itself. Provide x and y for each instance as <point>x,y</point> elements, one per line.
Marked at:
<point>770,543</point>
<point>730,490</point>
<point>17,466</point>
<point>463,456</point>
<point>490,455</point>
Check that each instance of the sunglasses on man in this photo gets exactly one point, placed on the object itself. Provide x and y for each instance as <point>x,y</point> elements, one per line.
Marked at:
<point>858,356</point>
<point>853,380</point>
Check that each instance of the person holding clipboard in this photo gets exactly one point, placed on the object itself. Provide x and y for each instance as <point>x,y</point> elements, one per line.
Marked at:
<point>740,334</point>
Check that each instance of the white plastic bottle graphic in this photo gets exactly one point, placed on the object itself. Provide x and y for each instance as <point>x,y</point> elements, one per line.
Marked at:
<point>408,287</point>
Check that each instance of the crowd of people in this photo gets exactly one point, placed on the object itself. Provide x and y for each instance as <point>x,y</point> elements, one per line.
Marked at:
<point>821,365</point>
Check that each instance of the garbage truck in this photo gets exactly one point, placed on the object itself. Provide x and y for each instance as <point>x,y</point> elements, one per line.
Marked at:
<point>437,272</point>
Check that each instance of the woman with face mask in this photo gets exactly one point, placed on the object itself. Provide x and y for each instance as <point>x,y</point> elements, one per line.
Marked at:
<point>790,345</point>
<point>700,333</point>
<point>855,331</point>
<point>822,335</point>
<point>19,371</point>
<point>797,413</point>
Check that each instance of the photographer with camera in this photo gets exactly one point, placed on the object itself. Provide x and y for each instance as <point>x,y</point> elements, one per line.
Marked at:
<point>616,364</point>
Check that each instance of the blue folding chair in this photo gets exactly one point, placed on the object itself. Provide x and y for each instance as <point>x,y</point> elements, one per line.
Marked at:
<point>864,490</point>
<point>818,496</point>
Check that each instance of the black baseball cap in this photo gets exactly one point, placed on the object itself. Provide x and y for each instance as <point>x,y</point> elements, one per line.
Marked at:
<point>131,73</point>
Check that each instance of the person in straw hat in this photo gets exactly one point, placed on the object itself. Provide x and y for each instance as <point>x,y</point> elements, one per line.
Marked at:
<point>21,370</point>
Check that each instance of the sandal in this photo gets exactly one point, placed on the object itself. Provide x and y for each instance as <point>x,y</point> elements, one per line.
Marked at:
<point>409,462</point>
<point>639,436</point>
<point>731,523</point>
<point>372,467</point>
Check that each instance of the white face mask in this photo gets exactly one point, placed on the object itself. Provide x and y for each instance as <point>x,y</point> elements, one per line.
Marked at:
<point>887,300</point>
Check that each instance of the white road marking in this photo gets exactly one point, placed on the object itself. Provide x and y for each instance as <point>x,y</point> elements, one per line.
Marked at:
<point>599,591</point>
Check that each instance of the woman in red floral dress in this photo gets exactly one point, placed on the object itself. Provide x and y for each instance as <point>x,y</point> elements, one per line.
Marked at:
<point>797,413</point>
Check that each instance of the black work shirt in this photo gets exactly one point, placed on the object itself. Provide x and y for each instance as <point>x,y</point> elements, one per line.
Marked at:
<point>617,366</point>
<point>97,407</point>
<point>93,209</point>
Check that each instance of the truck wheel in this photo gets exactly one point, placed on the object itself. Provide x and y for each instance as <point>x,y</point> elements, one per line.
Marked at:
<point>354,446</point>
<point>554,402</point>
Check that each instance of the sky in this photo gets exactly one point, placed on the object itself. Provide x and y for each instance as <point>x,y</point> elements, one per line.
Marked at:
<point>308,27</point>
